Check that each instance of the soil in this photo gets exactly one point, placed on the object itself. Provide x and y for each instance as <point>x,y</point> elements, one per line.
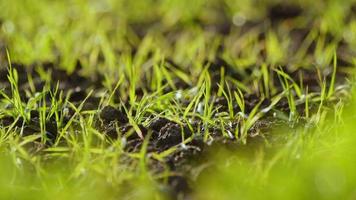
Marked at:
<point>284,11</point>
<point>110,114</point>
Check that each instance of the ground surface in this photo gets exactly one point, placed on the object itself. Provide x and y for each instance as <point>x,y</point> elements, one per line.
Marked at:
<point>137,99</point>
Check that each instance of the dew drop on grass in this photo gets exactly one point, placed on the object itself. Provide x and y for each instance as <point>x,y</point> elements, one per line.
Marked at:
<point>179,95</point>
<point>200,108</point>
<point>184,146</point>
<point>18,161</point>
<point>123,142</point>
<point>8,27</point>
<point>297,156</point>
<point>238,19</point>
<point>230,134</point>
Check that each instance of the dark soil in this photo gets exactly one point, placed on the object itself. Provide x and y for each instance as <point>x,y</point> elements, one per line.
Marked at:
<point>110,114</point>
<point>284,11</point>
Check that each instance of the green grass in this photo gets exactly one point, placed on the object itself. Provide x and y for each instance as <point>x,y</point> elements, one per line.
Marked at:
<point>313,163</point>
<point>144,50</point>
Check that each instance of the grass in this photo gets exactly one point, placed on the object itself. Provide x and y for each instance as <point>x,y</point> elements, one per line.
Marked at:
<point>311,163</point>
<point>220,70</point>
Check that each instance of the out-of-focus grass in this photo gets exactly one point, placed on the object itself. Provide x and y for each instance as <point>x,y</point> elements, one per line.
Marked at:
<point>54,181</point>
<point>78,29</point>
<point>312,164</point>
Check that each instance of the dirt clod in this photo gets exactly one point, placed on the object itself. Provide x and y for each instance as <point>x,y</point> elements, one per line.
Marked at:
<point>179,185</point>
<point>284,11</point>
<point>110,114</point>
<point>129,132</point>
<point>33,126</point>
<point>158,123</point>
<point>171,134</point>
